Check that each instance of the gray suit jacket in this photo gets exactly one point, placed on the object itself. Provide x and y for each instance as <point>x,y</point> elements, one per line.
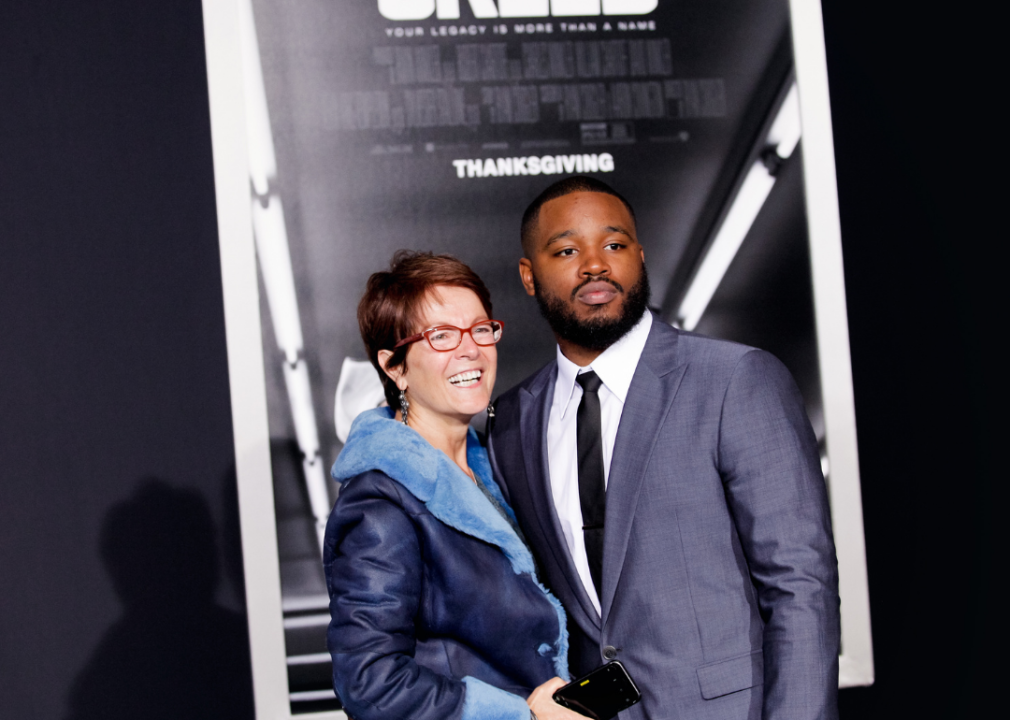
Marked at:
<point>720,584</point>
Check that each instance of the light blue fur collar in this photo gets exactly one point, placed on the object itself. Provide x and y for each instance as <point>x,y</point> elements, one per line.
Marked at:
<point>378,442</point>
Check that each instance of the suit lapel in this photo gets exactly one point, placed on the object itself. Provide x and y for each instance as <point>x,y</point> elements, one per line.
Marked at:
<point>650,397</point>
<point>534,407</point>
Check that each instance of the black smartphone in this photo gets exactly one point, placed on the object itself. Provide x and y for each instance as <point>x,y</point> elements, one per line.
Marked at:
<point>601,694</point>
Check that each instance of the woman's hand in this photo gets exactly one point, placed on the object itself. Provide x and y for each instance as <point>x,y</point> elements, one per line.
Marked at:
<point>541,702</point>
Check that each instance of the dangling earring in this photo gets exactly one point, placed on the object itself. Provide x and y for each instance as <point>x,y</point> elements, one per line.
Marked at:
<point>404,406</point>
<point>490,411</point>
<point>489,425</point>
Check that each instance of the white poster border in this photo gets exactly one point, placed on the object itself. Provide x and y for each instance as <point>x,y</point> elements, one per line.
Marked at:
<point>831,321</point>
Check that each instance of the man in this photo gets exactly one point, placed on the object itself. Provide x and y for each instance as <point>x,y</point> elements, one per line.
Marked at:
<point>669,485</point>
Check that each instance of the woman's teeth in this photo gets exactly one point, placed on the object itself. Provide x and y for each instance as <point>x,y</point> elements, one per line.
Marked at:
<point>466,379</point>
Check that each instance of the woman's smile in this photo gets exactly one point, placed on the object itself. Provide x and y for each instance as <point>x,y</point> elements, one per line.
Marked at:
<point>466,379</point>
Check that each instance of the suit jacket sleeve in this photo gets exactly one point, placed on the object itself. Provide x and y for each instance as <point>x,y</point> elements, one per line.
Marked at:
<point>770,467</point>
<point>374,575</point>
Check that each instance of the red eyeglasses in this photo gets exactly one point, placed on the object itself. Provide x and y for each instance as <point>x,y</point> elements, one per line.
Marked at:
<point>445,338</point>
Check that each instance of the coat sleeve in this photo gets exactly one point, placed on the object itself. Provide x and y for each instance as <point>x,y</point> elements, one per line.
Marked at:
<point>771,470</point>
<point>373,564</point>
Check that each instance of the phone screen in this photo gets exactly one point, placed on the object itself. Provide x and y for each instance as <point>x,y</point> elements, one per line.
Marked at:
<point>601,694</point>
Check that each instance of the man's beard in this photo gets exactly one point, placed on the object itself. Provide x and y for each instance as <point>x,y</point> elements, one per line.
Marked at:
<point>595,333</point>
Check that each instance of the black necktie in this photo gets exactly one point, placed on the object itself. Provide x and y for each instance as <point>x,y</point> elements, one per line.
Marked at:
<point>592,493</point>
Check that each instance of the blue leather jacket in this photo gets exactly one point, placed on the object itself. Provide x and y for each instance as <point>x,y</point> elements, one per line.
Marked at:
<point>436,611</point>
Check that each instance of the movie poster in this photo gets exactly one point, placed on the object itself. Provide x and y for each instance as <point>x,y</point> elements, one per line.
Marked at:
<point>378,125</point>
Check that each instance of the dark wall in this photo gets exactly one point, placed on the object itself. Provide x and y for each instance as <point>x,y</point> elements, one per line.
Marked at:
<point>115,425</point>
<point>918,176</point>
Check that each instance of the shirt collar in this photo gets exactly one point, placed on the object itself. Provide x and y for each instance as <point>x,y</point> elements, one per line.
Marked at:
<point>616,365</point>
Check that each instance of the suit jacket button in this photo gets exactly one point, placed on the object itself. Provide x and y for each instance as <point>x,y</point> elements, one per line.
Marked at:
<point>609,652</point>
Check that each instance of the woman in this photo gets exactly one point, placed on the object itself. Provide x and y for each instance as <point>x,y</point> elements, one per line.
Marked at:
<point>436,610</point>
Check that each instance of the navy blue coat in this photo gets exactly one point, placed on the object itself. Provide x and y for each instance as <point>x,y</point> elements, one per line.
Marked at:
<point>436,611</point>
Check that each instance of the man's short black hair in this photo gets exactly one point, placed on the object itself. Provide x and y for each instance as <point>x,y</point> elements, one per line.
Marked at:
<point>567,186</point>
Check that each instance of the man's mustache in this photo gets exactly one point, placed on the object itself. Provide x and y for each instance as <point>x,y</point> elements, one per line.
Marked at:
<point>588,280</point>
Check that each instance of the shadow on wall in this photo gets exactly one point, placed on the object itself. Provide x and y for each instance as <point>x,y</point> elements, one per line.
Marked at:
<point>174,653</point>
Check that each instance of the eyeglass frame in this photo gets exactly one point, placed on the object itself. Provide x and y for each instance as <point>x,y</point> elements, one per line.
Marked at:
<point>424,335</point>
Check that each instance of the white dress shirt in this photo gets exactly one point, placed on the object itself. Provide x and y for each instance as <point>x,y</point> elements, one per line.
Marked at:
<point>615,367</point>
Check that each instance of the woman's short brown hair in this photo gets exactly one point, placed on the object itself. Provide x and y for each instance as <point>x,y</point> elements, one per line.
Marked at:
<point>390,308</point>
